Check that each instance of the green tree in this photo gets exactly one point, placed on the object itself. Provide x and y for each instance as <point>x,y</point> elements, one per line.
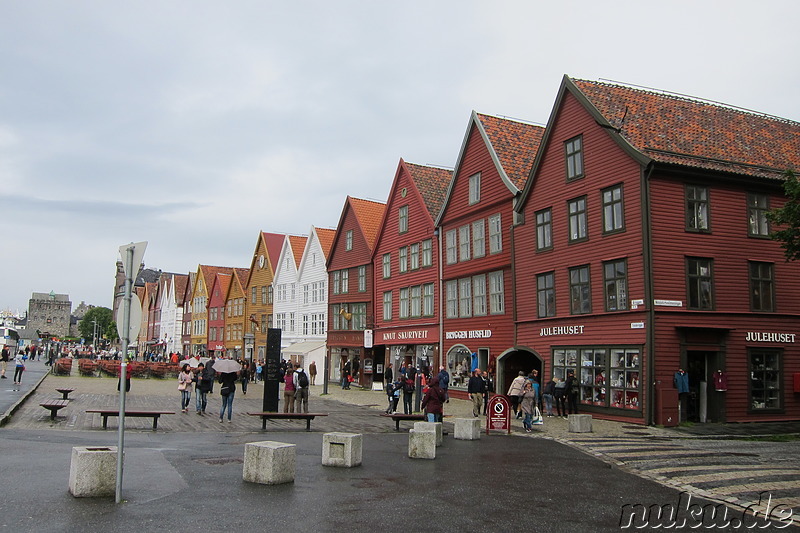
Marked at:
<point>103,317</point>
<point>788,217</point>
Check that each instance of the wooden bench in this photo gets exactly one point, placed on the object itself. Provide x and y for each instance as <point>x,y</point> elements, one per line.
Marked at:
<point>65,392</point>
<point>308,417</point>
<point>105,413</point>
<point>54,406</point>
<point>397,417</point>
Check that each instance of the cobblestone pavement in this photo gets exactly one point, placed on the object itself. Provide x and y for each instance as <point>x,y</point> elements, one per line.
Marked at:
<point>732,471</point>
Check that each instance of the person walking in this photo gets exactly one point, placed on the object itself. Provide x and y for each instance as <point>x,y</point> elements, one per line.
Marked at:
<point>245,376</point>
<point>476,388</point>
<point>312,372</point>
<point>561,397</point>
<point>444,382</point>
<point>185,378</point>
<point>388,375</point>
<point>515,393</point>
<point>301,383</point>
<point>288,391</point>
<point>433,402</point>
<point>227,390</point>
<point>204,381</point>
<point>527,405</point>
<point>4,358</point>
<point>547,396</point>
<point>571,392</point>
<point>19,364</point>
<point>488,388</point>
<point>408,395</point>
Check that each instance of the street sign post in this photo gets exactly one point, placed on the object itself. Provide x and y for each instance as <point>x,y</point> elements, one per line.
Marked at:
<point>498,415</point>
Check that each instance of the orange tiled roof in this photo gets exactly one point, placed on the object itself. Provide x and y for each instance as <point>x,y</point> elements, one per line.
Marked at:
<point>325,236</point>
<point>515,144</point>
<point>298,246</point>
<point>209,272</point>
<point>224,281</point>
<point>180,287</point>
<point>695,133</point>
<point>432,184</point>
<point>369,215</point>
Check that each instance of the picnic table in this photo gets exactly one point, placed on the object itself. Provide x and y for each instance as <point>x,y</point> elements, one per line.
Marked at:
<point>65,392</point>
<point>54,406</point>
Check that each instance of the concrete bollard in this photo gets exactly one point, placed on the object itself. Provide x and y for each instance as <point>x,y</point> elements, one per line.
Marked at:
<point>269,462</point>
<point>431,426</point>
<point>342,449</point>
<point>421,444</point>
<point>93,471</point>
<point>468,428</point>
<point>580,423</point>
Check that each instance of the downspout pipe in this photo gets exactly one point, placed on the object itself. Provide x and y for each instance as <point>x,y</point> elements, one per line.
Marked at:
<point>647,258</point>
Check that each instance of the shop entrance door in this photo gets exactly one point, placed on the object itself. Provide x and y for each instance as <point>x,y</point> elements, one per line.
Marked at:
<point>705,404</point>
<point>509,366</point>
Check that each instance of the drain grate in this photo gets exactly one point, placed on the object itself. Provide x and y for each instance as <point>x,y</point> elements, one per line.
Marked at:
<point>219,461</point>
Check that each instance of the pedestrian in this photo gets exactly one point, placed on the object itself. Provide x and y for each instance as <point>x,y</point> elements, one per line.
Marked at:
<point>548,395</point>
<point>19,363</point>
<point>560,396</point>
<point>4,357</point>
<point>185,386</point>
<point>488,387</point>
<point>571,392</point>
<point>476,388</point>
<point>259,370</point>
<point>515,393</point>
<point>204,381</point>
<point>312,372</point>
<point>390,398</point>
<point>288,391</point>
<point>433,402</point>
<point>245,377</point>
<point>408,395</point>
<point>388,375</point>
<point>212,374</point>
<point>444,382</point>
<point>227,390</point>
<point>346,378</point>
<point>301,383</point>
<point>527,405</point>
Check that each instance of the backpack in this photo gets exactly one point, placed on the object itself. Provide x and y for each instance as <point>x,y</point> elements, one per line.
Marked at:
<point>302,379</point>
<point>560,389</point>
<point>409,386</point>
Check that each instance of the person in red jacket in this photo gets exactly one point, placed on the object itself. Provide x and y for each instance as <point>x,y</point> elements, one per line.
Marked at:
<point>433,401</point>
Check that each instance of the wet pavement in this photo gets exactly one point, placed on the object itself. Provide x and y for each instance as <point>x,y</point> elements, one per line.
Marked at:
<point>188,474</point>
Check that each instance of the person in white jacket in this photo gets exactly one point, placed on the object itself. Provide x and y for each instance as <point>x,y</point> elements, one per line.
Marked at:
<point>515,392</point>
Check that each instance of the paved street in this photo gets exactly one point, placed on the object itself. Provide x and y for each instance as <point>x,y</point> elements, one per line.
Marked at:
<point>476,484</point>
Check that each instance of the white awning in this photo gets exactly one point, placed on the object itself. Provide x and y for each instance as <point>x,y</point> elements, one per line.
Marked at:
<point>302,348</point>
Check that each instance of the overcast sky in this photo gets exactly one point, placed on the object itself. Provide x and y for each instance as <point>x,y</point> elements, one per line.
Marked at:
<point>194,125</point>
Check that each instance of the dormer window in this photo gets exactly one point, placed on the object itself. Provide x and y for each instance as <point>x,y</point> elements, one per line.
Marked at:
<point>573,150</point>
<point>474,189</point>
<point>348,243</point>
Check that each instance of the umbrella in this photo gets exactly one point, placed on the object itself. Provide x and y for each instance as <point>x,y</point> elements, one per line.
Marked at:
<point>222,366</point>
<point>192,362</point>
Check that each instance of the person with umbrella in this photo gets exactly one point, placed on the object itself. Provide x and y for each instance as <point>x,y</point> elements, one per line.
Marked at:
<point>228,372</point>
<point>185,386</point>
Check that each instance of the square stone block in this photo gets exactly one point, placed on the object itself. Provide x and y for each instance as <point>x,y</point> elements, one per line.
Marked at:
<point>93,471</point>
<point>342,449</point>
<point>269,462</point>
<point>580,423</point>
<point>421,444</point>
<point>468,428</point>
<point>431,426</point>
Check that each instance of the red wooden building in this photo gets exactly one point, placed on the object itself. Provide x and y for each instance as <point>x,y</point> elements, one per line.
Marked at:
<point>216,312</point>
<point>477,277</point>
<point>643,250</point>
<point>350,289</point>
<point>406,268</point>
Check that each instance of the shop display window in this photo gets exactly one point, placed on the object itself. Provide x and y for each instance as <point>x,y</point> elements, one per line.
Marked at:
<point>609,376</point>
<point>765,379</point>
<point>593,376</point>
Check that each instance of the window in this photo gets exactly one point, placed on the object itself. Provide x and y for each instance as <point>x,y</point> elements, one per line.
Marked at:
<point>362,278</point>
<point>479,295</point>
<point>451,243</point>
<point>546,294</point>
<point>474,189</point>
<point>414,256</point>
<point>615,280</point>
<point>697,216</point>
<point>253,294</point>
<point>700,283</point>
<point>270,295</point>
<point>497,299</point>
<point>416,301</point>
<point>463,243</point>
<point>544,229</point>
<point>580,291</point>
<point>402,260</point>
<point>427,253</point>
<point>478,238</point>
<point>495,234</point>
<point>387,305</point>
<point>757,207</point>
<point>465,297</point>
<point>762,290</point>
<point>337,281</point>
<point>404,302</point>
<point>264,295</point>
<point>577,219</point>
<point>359,316</point>
<point>574,154</point>
<point>402,219</point>
<point>451,299</point>
<point>387,266</point>
<point>427,299</point>
<point>348,243</point>
<point>345,281</point>
<point>613,217</point>
<point>263,323</point>
<point>765,379</point>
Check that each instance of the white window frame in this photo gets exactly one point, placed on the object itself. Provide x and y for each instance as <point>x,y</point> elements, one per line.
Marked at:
<point>497,304</point>
<point>479,295</point>
<point>464,243</point>
<point>451,242</point>
<point>495,234</point>
<point>475,189</point>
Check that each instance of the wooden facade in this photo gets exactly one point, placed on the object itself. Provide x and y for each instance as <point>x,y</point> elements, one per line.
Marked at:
<point>235,313</point>
<point>259,295</point>
<point>216,312</point>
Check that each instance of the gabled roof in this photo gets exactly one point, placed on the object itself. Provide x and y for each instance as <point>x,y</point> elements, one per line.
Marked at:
<point>298,244</point>
<point>369,214</point>
<point>274,243</point>
<point>224,282</point>
<point>325,237</point>
<point>431,182</point>
<point>209,272</point>
<point>180,287</point>
<point>689,132</point>
<point>242,275</point>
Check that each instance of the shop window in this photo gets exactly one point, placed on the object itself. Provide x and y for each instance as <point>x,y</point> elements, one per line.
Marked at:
<point>697,213</point>
<point>609,376</point>
<point>765,379</point>
<point>593,376</point>
<point>624,378</point>
<point>580,290</point>
<point>700,283</point>
<point>757,208</point>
